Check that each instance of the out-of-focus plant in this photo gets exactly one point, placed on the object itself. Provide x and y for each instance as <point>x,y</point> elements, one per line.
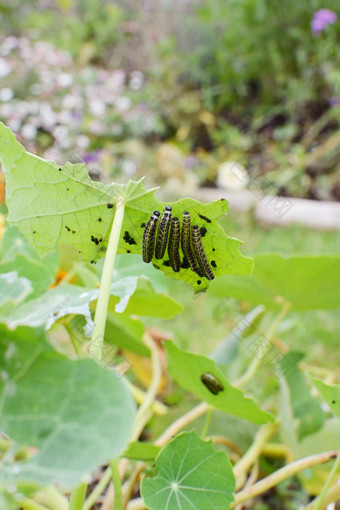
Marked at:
<point>261,51</point>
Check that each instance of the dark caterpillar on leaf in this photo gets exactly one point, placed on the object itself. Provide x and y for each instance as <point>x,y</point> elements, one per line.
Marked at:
<point>149,237</point>
<point>212,383</point>
<point>162,234</point>
<point>173,246</point>
<point>200,253</point>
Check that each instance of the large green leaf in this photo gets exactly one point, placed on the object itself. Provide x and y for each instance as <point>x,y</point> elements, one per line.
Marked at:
<point>187,368</point>
<point>77,414</point>
<point>304,281</point>
<point>54,205</point>
<point>191,475</point>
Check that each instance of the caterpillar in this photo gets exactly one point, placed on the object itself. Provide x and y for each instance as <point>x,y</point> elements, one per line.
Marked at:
<point>173,246</point>
<point>186,243</point>
<point>149,237</point>
<point>200,253</point>
<point>212,383</point>
<point>162,234</point>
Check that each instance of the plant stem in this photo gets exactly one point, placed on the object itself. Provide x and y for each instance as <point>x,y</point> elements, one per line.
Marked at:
<point>254,365</point>
<point>283,473</point>
<point>143,414</point>
<point>206,423</point>
<point>181,422</point>
<point>90,501</point>
<point>97,340</point>
<point>318,503</point>
<point>117,484</point>
<point>29,504</point>
<point>333,495</point>
<point>78,497</point>
<point>158,408</point>
<point>262,436</point>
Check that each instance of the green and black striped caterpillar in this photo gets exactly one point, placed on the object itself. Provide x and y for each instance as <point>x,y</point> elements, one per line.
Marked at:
<point>149,237</point>
<point>162,234</point>
<point>189,238</point>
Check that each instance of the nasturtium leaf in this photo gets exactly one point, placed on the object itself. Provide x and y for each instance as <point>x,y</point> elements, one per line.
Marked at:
<point>54,205</point>
<point>305,407</point>
<point>77,414</point>
<point>141,450</point>
<point>13,291</point>
<point>187,368</point>
<point>191,475</point>
<point>330,393</point>
<point>306,282</point>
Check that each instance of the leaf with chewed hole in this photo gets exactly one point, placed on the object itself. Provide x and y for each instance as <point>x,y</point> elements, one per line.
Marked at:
<point>54,205</point>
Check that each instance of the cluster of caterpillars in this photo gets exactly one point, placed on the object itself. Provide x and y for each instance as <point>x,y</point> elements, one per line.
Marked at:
<point>165,231</point>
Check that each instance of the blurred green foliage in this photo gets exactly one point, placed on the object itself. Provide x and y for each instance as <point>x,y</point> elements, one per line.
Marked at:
<point>242,80</point>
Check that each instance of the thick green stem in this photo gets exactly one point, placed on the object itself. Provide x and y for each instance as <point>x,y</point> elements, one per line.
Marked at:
<point>254,365</point>
<point>97,340</point>
<point>117,485</point>
<point>78,497</point>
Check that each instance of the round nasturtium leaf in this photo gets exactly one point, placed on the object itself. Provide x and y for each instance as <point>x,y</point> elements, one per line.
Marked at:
<point>191,475</point>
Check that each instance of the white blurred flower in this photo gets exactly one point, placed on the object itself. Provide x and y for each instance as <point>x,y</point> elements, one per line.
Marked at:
<point>8,45</point>
<point>64,80</point>
<point>6,110</point>
<point>122,103</point>
<point>96,127</point>
<point>65,117</point>
<point>83,141</point>
<point>136,80</point>
<point>29,131</point>
<point>97,107</point>
<point>129,167</point>
<point>72,101</point>
<point>14,124</point>
<point>48,116</point>
<point>5,68</point>
<point>6,94</point>
<point>232,175</point>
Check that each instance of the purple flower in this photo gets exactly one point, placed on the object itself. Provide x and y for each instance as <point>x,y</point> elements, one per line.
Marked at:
<point>91,157</point>
<point>334,101</point>
<point>322,19</point>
